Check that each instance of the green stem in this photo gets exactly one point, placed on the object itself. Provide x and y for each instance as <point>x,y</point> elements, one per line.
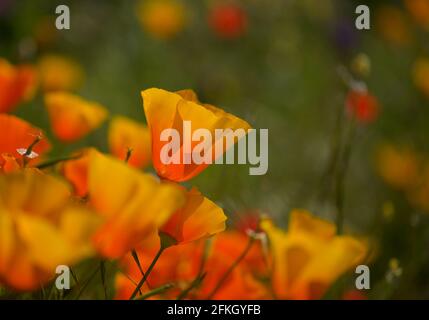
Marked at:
<point>340,178</point>
<point>147,273</point>
<point>156,291</point>
<point>232,267</point>
<point>194,284</point>
<point>103,277</point>
<point>87,283</point>
<point>51,163</point>
<point>137,261</point>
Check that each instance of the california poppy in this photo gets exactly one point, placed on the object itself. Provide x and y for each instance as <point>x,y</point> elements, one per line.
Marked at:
<point>40,229</point>
<point>134,205</point>
<point>126,135</point>
<point>197,219</point>
<point>59,73</point>
<point>162,18</point>
<point>17,84</point>
<point>168,110</point>
<point>393,25</point>
<point>246,281</point>
<point>419,9</point>
<point>73,117</point>
<point>420,74</point>
<point>309,257</point>
<point>178,264</point>
<point>398,166</point>
<point>17,137</point>
<point>183,264</point>
<point>76,172</point>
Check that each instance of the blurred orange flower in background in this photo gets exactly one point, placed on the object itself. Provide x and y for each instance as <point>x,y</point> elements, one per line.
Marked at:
<point>134,205</point>
<point>17,136</point>
<point>72,117</point>
<point>40,229</point>
<point>58,73</point>
<point>17,84</point>
<point>168,110</point>
<point>393,25</point>
<point>309,257</point>
<point>420,75</point>
<point>398,166</point>
<point>129,135</point>
<point>419,9</point>
<point>162,18</point>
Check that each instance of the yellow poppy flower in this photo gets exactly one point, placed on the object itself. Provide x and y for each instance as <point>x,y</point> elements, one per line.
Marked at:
<point>169,110</point>
<point>198,218</point>
<point>309,257</point>
<point>72,117</point>
<point>125,134</point>
<point>39,229</point>
<point>134,205</point>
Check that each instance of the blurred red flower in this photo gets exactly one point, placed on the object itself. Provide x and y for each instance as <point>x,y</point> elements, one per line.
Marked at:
<point>228,20</point>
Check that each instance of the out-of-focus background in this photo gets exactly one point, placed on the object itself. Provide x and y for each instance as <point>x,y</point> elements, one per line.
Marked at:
<point>281,65</point>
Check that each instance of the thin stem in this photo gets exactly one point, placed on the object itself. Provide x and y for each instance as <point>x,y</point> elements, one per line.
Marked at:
<point>156,291</point>
<point>103,277</point>
<point>147,273</point>
<point>30,150</point>
<point>340,179</point>
<point>232,267</point>
<point>51,163</point>
<point>87,283</point>
<point>128,155</point>
<point>137,261</point>
<point>194,284</point>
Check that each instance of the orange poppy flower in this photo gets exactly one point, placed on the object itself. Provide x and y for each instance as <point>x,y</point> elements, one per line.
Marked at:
<point>246,280</point>
<point>17,136</point>
<point>76,172</point>
<point>309,257</point>
<point>393,25</point>
<point>198,218</point>
<point>162,18</point>
<point>125,134</point>
<point>59,73</point>
<point>17,84</point>
<point>398,166</point>
<point>168,110</point>
<point>182,264</point>
<point>420,74</point>
<point>73,117</point>
<point>419,9</point>
<point>178,264</point>
<point>40,229</point>
<point>134,205</point>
